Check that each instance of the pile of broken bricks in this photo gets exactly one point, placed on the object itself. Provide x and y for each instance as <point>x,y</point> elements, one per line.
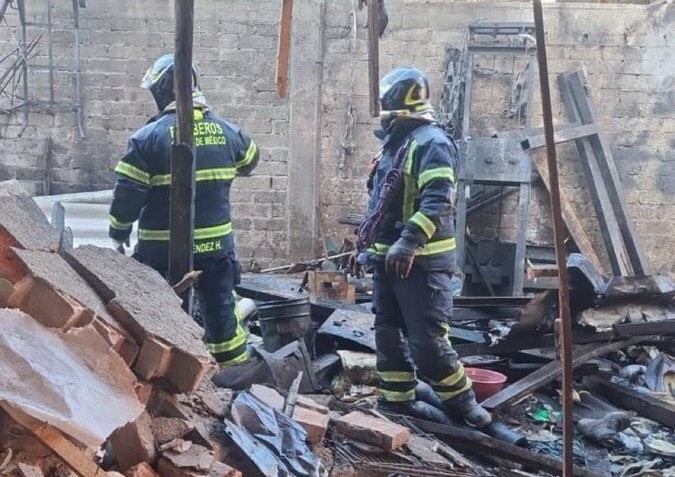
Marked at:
<point>104,373</point>
<point>89,339</point>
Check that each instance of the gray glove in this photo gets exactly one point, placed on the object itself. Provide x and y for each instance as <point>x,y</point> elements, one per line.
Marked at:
<point>119,245</point>
<point>400,257</point>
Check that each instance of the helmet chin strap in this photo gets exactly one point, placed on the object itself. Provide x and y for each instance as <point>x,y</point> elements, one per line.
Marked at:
<point>395,114</point>
<point>387,118</point>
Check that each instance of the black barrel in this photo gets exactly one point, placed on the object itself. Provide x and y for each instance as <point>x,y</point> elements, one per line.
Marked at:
<point>282,322</point>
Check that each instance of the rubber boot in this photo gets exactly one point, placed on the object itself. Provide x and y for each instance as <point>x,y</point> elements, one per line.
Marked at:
<point>465,407</point>
<point>418,409</point>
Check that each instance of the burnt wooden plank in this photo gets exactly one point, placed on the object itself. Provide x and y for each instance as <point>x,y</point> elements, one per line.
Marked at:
<point>284,48</point>
<point>609,227</point>
<point>648,406</point>
<point>477,442</point>
<point>549,372</point>
<point>562,135</point>
<point>662,327</point>
<point>577,84</point>
<point>572,221</point>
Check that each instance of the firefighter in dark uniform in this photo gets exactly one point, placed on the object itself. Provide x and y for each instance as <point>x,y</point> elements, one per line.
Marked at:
<point>223,151</point>
<point>414,253</point>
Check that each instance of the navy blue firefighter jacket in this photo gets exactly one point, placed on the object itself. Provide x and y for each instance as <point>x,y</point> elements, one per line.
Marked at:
<point>423,209</point>
<point>223,151</point>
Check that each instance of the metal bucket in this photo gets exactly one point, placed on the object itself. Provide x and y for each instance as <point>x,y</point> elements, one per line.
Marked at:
<point>282,322</point>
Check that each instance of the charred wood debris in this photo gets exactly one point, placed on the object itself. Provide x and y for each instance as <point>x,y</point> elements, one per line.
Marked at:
<point>103,372</point>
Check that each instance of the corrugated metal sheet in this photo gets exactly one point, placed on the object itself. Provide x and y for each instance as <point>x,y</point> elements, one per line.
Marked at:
<point>86,214</point>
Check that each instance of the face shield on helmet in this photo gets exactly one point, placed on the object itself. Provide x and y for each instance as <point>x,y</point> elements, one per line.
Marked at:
<point>159,81</point>
<point>403,92</point>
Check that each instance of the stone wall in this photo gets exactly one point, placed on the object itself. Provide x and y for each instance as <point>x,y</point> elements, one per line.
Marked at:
<point>313,166</point>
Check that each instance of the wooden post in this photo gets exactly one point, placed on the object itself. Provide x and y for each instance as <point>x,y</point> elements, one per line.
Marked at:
<point>564,323</point>
<point>182,153</point>
<point>374,56</point>
<point>284,48</point>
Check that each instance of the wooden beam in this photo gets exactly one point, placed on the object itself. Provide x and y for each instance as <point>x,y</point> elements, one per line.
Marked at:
<point>284,48</point>
<point>477,442</point>
<point>182,192</point>
<point>577,85</point>
<point>572,222</point>
<point>609,228</point>
<point>551,371</point>
<point>648,406</point>
<point>374,56</point>
<point>74,457</point>
<point>561,136</point>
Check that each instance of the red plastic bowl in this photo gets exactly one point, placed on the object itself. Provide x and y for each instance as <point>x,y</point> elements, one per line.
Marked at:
<point>485,382</point>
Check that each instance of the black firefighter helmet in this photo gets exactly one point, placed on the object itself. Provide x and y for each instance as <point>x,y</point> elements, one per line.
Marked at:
<point>404,91</point>
<point>159,80</point>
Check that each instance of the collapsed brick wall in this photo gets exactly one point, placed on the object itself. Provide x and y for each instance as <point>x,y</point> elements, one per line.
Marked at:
<point>626,50</point>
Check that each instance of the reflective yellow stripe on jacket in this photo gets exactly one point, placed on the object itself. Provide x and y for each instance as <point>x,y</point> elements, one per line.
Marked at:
<point>132,172</point>
<point>248,157</point>
<point>432,248</point>
<point>214,174</point>
<point>203,233</point>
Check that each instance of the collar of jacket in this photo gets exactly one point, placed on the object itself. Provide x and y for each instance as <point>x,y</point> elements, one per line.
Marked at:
<point>171,108</point>
<point>400,129</point>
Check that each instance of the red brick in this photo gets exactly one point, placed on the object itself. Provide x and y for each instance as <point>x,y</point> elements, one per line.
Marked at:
<point>118,339</point>
<point>186,370</point>
<point>141,470</point>
<point>315,423</point>
<point>373,430</point>
<point>308,403</point>
<point>53,271</point>
<point>153,359</point>
<point>144,392</point>
<point>47,305</point>
<point>269,396</point>
<point>134,443</point>
<point>145,304</point>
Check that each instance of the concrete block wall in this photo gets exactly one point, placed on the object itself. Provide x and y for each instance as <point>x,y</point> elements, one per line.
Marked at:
<point>234,49</point>
<point>626,51</point>
<point>306,180</point>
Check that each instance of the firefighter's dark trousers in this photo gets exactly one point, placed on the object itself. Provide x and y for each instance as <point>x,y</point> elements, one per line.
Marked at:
<point>411,333</point>
<point>224,333</point>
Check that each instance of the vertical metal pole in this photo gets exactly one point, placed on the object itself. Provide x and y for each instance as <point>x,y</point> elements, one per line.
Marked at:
<point>182,205</point>
<point>564,322</point>
<point>374,56</point>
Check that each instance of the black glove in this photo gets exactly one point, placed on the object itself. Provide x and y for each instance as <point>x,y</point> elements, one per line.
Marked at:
<point>400,257</point>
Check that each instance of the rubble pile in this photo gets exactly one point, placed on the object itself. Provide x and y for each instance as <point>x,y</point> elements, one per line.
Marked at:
<point>103,372</point>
